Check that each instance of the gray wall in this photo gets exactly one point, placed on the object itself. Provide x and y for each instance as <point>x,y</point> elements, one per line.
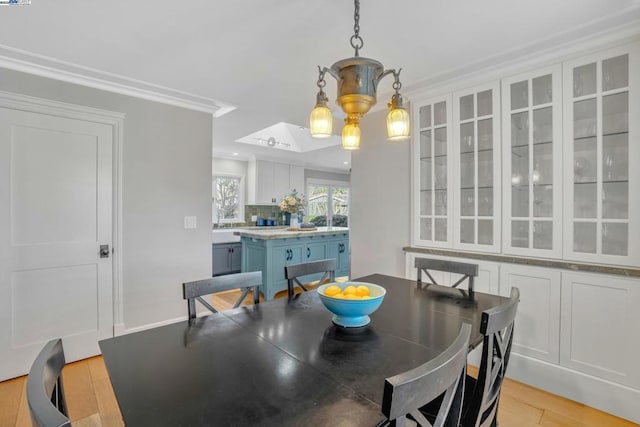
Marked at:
<point>166,175</point>
<point>380,201</point>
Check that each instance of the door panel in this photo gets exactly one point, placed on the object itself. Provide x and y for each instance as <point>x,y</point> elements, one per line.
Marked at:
<point>55,212</point>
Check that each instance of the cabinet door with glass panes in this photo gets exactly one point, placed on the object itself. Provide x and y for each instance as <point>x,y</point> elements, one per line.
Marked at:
<point>476,154</point>
<point>602,157</point>
<point>432,172</point>
<point>532,163</point>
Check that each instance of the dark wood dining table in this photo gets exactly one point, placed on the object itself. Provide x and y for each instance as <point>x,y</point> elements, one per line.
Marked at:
<point>283,362</point>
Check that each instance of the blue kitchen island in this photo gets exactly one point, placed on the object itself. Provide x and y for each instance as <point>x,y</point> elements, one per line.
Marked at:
<point>271,250</point>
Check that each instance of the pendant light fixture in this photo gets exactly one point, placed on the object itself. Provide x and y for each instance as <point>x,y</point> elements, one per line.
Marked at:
<point>358,79</point>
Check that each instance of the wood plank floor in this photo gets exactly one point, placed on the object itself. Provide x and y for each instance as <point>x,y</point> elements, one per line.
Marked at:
<point>92,402</point>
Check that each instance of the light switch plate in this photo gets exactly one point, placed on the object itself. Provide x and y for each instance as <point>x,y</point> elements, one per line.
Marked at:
<point>254,218</point>
<point>190,222</point>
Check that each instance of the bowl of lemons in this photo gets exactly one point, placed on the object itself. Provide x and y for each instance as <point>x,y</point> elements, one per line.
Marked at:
<point>351,302</point>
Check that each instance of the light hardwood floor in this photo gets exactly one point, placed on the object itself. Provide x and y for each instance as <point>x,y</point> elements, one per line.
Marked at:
<point>92,402</point>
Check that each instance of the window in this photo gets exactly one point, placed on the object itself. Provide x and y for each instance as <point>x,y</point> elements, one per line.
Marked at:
<point>328,203</point>
<point>228,199</point>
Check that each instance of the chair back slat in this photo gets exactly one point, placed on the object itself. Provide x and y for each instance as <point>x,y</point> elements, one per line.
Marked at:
<point>405,393</point>
<point>322,266</point>
<point>468,271</point>
<point>293,272</point>
<point>497,326</point>
<point>192,291</point>
<point>448,266</point>
<point>45,393</point>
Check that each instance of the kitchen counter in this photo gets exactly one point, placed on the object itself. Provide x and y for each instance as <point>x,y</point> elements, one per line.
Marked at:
<point>268,233</point>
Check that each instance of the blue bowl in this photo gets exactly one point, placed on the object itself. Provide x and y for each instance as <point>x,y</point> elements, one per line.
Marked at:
<point>352,313</point>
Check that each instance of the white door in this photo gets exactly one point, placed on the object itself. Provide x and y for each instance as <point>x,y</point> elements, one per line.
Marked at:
<point>55,212</point>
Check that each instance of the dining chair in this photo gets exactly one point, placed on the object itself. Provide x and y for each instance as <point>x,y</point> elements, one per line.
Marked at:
<point>45,393</point>
<point>481,408</point>
<point>481,397</point>
<point>405,393</point>
<point>192,291</point>
<point>468,271</point>
<point>293,273</point>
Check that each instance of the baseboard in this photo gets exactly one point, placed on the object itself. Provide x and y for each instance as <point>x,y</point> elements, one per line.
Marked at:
<point>604,395</point>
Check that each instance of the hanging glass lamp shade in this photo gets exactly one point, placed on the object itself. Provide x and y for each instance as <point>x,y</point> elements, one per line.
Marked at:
<point>398,124</point>
<point>351,135</point>
<point>321,122</point>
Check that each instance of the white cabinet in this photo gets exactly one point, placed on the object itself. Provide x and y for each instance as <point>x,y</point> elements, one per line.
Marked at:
<point>537,327</point>
<point>532,163</point>
<point>476,155</point>
<point>269,182</point>
<point>558,142</point>
<point>600,320</point>
<point>296,179</point>
<point>602,177</point>
<point>432,172</point>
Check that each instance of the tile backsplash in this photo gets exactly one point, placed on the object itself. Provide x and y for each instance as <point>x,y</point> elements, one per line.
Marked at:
<point>262,211</point>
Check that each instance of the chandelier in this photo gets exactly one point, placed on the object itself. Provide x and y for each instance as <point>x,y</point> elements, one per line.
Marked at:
<point>357,79</point>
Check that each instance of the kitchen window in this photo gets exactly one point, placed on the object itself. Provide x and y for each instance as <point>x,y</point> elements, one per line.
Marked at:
<point>228,199</point>
<point>328,203</point>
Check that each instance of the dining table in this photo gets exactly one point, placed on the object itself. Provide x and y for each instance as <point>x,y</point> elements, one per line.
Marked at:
<point>284,362</point>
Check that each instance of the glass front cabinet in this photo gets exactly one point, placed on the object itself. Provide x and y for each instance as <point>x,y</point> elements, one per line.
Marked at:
<point>543,164</point>
<point>601,157</point>
<point>431,161</point>
<point>532,163</point>
<point>476,155</point>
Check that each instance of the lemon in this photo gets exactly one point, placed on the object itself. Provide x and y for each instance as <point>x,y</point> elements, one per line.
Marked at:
<point>362,291</point>
<point>351,296</point>
<point>332,290</point>
<point>339,295</point>
<point>350,290</point>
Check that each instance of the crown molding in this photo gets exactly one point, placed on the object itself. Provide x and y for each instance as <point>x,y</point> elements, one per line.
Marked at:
<point>577,42</point>
<point>44,66</point>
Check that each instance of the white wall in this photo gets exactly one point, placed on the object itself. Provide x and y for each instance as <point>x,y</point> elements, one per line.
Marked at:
<point>316,174</point>
<point>380,201</point>
<point>166,175</point>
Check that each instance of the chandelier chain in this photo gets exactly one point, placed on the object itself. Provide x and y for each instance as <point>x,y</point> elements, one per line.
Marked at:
<point>396,84</point>
<point>321,82</point>
<point>356,41</point>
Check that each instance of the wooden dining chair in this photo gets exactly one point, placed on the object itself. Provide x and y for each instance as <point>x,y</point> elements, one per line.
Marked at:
<point>293,273</point>
<point>45,393</point>
<point>481,397</point>
<point>405,393</point>
<point>468,271</point>
<point>192,291</point>
<point>481,407</point>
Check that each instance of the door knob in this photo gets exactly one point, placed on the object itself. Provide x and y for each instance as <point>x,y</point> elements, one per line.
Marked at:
<point>104,251</point>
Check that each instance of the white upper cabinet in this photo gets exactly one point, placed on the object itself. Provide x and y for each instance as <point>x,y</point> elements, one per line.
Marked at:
<point>601,153</point>
<point>432,172</point>
<point>532,163</point>
<point>541,164</point>
<point>476,155</point>
<point>269,182</point>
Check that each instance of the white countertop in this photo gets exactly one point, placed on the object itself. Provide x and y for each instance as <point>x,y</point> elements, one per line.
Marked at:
<point>283,233</point>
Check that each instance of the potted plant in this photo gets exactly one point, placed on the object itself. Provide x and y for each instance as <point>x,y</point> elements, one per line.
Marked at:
<point>291,205</point>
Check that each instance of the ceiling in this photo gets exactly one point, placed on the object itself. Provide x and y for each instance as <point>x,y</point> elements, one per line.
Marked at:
<point>262,55</point>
